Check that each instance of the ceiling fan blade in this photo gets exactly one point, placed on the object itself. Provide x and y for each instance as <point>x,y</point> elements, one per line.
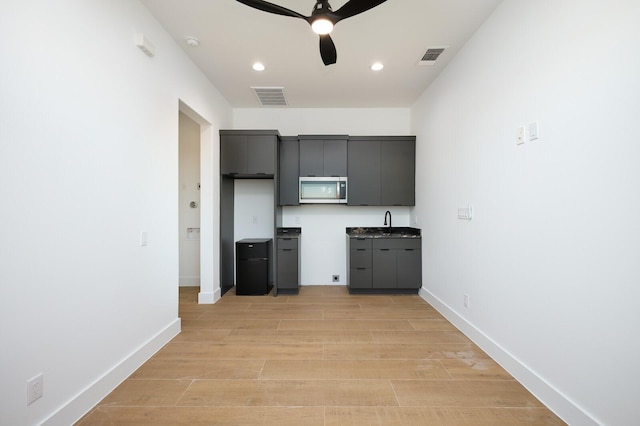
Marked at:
<point>328,50</point>
<point>354,7</point>
<point>265,6</point>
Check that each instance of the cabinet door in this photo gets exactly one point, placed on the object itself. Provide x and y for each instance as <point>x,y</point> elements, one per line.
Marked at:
<point>311,157</point>
<point>233,154</point>
<point>397,172</point>
<point>409,268</point>
<point>287,269</point>
<point>360,277</point>
<point>335,157</point>
<point>288,175</point>
<point>384,268</point>
<point>363,173</point>
<point>261,155</point>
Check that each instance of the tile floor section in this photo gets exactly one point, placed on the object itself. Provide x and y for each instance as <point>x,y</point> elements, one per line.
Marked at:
<point>320,358</point>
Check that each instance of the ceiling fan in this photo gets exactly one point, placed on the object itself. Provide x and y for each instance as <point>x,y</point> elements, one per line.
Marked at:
<point>322,19</point>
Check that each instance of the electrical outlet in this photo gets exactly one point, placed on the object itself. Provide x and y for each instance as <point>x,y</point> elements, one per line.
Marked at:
<point>466,300</point>
<point>520,135</point>
<point>335,278</point>
<point>34,388</point>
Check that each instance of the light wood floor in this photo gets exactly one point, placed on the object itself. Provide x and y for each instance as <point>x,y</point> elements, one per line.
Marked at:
<point>323,358</point>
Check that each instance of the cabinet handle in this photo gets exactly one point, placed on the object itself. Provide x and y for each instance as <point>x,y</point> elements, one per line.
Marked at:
<point>408,249</point>
<point>361,269</point>
<point>384,249</point>
<point>361,249</point>
<point>287,249</point>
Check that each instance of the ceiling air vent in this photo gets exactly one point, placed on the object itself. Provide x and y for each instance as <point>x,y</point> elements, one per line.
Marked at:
<point>431,55</point>
<point>270,96</point>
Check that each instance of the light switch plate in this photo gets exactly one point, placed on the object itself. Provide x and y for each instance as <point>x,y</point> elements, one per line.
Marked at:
<point>533,131</point>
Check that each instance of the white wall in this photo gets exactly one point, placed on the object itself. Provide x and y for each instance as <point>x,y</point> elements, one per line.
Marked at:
<point>88,160</point>
<point>550,260</point>
<point>325,121</point>
<point>189,217</point>
<point>322,244</point>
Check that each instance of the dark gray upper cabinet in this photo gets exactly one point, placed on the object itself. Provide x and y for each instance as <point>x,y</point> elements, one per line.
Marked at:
<point>288,172</point>
<point>398,172</point>
<point>381,170</point>
<point>248,153</point>
<point>323,155</point>
<point>364,172</point>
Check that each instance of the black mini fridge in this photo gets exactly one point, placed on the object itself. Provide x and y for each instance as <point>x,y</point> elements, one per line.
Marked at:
<point>253,266</point>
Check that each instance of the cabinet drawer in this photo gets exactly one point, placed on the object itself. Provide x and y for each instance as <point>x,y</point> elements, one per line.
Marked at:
<point>360,258</point>
<point>397,243</point>
<point>287,243</point>
<point>360,277</point>
<point>360,243</point>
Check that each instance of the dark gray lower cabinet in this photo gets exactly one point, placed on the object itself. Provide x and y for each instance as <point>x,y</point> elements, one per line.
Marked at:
<point>359,261</point>
<point>390,265</point>
<point>409,263</point>
<point>288,265</point>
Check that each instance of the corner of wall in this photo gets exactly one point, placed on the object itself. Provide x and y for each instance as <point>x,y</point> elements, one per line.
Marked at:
<point>564,408</point>
<point>82,403</point>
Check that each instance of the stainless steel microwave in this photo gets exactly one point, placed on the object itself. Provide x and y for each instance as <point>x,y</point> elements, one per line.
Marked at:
<point>323,190</point>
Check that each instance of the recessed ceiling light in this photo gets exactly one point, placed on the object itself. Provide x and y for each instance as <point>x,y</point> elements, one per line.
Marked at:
<point>377,66</point>
<point>258,66</point>
<point>192,41</point>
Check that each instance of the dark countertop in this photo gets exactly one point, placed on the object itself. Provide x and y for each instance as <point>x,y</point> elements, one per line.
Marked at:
<point>384,232</point>
<point>288,232</point>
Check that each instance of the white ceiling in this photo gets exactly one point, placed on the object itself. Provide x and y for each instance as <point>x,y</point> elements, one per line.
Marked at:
<point>398,32</point>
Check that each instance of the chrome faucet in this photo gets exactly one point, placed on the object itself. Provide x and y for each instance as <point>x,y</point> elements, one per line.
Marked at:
<point>385,218</point>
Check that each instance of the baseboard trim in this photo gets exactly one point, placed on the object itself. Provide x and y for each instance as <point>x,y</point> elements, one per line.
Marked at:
<point>82,403</point>
<point>208,298</point>
<point>562,406</point>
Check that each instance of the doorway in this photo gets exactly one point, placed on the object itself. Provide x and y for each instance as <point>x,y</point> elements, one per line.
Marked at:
<point>189,201</point>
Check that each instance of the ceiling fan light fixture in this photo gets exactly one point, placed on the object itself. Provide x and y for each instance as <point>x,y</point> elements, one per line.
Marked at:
<point>322,26</point>
<point>258,66</point>
<point>377,66</point>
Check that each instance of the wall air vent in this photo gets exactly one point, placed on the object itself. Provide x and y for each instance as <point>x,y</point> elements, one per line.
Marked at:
<point>270,96</point>
<point>431,55</point>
